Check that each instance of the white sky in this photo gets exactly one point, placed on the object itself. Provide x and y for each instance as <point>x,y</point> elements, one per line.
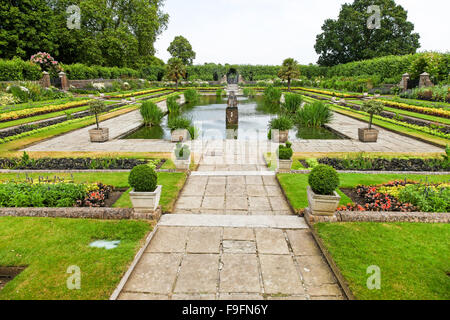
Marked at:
<point>268,31</point>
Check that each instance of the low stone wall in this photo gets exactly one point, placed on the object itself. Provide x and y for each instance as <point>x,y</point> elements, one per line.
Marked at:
<point>351,216</point>
<point>81,84</point>
<point>80,213</point>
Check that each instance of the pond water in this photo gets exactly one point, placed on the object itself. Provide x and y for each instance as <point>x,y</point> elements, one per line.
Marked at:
<point>209,116</point>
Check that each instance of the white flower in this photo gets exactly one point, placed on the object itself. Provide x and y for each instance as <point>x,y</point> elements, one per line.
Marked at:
<point>24,89</point>
<point>99,86</point>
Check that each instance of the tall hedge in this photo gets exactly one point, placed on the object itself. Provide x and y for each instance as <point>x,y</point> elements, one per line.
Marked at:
<point>17,70</point>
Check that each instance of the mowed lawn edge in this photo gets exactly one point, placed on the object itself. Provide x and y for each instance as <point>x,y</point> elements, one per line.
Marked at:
<point>413,258</point>
<point>52,248</point>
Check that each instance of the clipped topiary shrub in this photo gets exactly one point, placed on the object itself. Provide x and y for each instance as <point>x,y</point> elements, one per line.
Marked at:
<point>323,180</point>
<point>285,152</point>
<point>142,178</point>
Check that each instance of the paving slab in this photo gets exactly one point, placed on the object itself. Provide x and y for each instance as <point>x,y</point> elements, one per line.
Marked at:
<point>280,275</point>
<point>239,273</point>
<point>155,273</point>
<point>204,240</point>
<point>277,222</point>
<point>239,246</point>
<point>303,243</point>
<point>198,274</point>
<point>271,241</point>
<point>238,234</point>
<point>168,240</point>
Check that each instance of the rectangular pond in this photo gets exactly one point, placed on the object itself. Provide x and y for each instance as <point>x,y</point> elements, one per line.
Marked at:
<point>209,116</point>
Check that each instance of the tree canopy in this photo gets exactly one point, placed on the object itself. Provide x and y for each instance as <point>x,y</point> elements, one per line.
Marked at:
<point>182,49</point>
<point>349,39</point>
<point>176,70</point>
<point>289,70</point>
<point>112,33</point>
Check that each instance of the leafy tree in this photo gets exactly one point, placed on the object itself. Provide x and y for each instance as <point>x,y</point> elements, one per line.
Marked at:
<point>175,70</point>
<point>26,27</point>
<point>372,108</point>
<point>349,39</point>
<point>112,33</point>
<point>182,49</point>
<point>289,70</point>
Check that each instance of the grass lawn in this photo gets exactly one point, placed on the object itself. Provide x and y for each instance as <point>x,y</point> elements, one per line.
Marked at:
<point>295,184</point>
<point>49,246</point>
<point>171,182</point>
<point>414,258</point>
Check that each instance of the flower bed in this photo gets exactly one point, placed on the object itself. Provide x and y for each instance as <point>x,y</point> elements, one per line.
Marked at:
<point>430,111</point>
<point>383,164</point>
<point>400,196</point>
<point>134,94</point>
<point>330,93</point>
<point>52,194</point>
<point>26,163</point>
<point>25,113</point>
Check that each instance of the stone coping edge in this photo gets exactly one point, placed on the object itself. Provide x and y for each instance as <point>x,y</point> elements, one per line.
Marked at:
<point>80,171</point>
<point>334,268</point>
<point>434,173</point>
<point>352,216</point>
<point>79,213</point>
<point>137,257</point>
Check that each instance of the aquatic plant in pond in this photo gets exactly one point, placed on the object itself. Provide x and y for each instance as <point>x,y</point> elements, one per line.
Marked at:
<point>179,123</point>
<point>172,105</point>
<point>292,102</point>
<point>272,96</point>
<point>315,115</point>
<point>282,123</point>
<point>191,96</point>
<point>151,113</point>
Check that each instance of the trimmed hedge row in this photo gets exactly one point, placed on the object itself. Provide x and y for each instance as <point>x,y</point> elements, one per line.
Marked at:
<point>19,70</point>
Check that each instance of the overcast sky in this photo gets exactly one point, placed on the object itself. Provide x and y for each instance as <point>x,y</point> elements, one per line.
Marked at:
<point>267,31</point>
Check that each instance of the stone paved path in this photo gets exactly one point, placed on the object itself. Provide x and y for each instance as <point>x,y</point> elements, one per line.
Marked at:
<point>208,263</point>
<point>232,236</point>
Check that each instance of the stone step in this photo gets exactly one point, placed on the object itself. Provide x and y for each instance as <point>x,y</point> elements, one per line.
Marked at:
<point>256,221</point>
<point>233,173</point>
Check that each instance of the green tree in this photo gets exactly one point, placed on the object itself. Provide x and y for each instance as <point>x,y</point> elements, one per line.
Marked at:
<point>112,33</point>
<point>349,39</point>
<point>26,27</point>
<point>289,70</point>
<point>176,70</point>
<point>182,49</point>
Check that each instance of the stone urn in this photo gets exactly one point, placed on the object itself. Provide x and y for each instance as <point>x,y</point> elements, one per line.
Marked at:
<point>99,135</point>
<point>183,164</point>
<point>321,205</point>
<point>180,135</point>
<point>368,135</point>
<point>280,136</point>
<point>144,201</point>
<point>284,165</point>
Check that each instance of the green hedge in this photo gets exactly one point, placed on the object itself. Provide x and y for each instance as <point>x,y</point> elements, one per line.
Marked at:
<point>17,70</point>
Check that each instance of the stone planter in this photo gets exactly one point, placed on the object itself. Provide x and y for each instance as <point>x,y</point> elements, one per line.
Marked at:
<point>367,135</point>
<point>182,164</point>
<point>284,165</point>
<point>144,201</point>
<point>321,205</point>
<point>280,136</point>
<point>180,135</point>
<point>99,135</point>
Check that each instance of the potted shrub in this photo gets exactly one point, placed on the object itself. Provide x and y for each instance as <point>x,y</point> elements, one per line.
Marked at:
<point>280,127</point>
<point>179,127</point>
<point>98,134</point>
<point>323,199</point>
<point>182,157</point>
<point>146,193</point>
<point>369,134</point>
<point>285,157</point>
